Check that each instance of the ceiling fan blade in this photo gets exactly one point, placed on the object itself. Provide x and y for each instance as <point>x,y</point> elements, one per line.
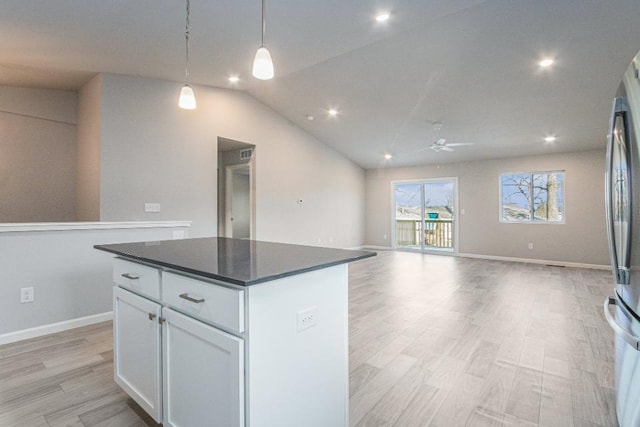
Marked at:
<point>422,149</point>
<point>446,148</point>
<point>441,141</point>
<point>460,144</point>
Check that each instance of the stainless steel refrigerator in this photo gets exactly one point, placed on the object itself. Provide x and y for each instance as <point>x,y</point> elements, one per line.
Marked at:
<point>623,222</point>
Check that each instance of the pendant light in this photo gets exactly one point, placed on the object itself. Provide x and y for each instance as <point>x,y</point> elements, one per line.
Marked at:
<point>262,64</point>
<point>187,99</point>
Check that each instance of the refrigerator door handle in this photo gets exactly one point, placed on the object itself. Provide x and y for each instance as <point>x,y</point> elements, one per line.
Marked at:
<point>628,336</point>
<point>609,195</point>
<point>621,272</point>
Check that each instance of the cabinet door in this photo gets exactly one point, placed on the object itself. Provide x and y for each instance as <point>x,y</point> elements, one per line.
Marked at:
<point>203,374</point>
<point>137,349</point>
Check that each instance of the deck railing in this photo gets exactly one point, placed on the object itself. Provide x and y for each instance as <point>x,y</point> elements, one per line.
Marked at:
<point>437,233</point>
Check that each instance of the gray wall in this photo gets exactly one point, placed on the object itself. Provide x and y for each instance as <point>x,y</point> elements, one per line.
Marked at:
<point>68,284</point>
<point>152,151</point>
<point>88,151</point>
<point>37,151</point>
<point>582,239</point>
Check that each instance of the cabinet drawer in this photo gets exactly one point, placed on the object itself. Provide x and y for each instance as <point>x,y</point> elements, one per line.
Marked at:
<point>206,301</point>
<point>137,277</point>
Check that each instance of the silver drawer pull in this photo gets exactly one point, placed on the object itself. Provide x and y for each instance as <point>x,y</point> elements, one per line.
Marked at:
<point>130,276</point>
<point>152,316</point>
<point>625,334</point>
<point>188,298</point>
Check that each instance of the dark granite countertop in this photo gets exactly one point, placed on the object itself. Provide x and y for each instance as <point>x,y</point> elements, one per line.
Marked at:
<point>238,261</point>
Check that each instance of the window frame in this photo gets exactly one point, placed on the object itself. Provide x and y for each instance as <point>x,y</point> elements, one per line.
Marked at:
<point>531,204</point>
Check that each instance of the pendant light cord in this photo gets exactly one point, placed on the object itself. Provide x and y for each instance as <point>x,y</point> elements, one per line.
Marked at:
<point>186,40</point>
<point>264,25</point>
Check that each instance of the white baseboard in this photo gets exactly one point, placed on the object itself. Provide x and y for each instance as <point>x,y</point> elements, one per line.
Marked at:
<point>502,258</point>
<point>534,261</point>
<point>52,328</point>
<point>379,248</point>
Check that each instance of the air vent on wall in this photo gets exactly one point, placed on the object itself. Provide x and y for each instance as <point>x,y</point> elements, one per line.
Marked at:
<point>246,154</point>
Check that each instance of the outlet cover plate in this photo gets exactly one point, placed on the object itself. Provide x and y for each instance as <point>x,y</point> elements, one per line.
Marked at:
<point>307,318</point>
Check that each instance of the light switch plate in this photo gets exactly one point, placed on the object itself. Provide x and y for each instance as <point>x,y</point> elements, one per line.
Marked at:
<point>152,207</point>
<point>26,295</point>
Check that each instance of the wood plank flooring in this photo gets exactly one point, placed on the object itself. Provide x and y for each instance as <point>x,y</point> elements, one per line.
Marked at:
<point>434,341</point>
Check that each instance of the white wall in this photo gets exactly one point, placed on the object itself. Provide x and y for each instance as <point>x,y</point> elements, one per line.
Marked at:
<point>88,151</point>
<point>70,278</point>
<point>582,239</point>
<point>152,151</point>
<point>37,154</point>
<point>58,105</point>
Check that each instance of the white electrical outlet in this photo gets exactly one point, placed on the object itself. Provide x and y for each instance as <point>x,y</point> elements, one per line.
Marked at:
<point>152,207</point>
<point>178,234</point>
<point>307,318</point>
<point>462,211</point>
<point>330,239</point>
<point>384,236</point>
<point>530,245</point>
<point>26,295</point>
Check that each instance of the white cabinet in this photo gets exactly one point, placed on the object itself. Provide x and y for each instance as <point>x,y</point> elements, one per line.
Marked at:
<point>138,278</point>
<point>197,352</point>
<point>217,305</point>
<point>203,374</point>
<point>181,371</point>
<point>137,357</point>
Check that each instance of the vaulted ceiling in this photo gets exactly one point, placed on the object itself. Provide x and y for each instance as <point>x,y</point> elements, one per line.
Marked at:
<point>470,64</point>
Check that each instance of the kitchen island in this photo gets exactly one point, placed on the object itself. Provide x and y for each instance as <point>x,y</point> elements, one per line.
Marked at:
<point>229,332</point>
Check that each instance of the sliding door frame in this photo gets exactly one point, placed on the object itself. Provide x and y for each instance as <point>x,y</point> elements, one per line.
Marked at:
<point>456,214</point>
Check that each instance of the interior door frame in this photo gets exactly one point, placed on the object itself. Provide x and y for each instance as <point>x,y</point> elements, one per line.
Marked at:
<point>456,216</point>
<point>228,197</point>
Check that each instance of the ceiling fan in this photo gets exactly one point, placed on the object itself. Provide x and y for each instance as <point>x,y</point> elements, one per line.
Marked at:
<point>441,144</point>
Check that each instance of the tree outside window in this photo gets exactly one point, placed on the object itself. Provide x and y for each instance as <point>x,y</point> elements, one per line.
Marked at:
<point>532,197</point>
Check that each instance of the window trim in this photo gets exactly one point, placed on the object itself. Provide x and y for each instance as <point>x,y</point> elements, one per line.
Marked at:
<point>531,221</point>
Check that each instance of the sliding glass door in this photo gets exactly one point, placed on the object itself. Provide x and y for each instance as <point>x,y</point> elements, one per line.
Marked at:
<point>424,214</point>
<point>409,215</point>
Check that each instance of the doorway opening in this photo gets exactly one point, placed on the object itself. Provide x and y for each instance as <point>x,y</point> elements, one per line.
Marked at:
<point>236,189</point>
<point>425,215</point>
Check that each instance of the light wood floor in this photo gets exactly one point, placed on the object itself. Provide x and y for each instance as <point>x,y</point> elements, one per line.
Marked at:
<point>435,341</point>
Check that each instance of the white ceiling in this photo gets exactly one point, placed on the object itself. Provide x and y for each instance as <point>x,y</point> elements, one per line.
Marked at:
<point>471,64</point>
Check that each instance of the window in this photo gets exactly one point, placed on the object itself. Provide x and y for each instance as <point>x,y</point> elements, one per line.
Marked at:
<point>536,197</point>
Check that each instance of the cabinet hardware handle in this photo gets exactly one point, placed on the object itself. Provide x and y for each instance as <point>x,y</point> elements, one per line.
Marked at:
<point>188,298</point>
<point>152,316</point>
<point>130,276</point>
<point>161,320</point>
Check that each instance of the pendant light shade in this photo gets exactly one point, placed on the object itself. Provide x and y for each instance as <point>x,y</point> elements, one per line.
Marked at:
<point>187,99</point>
<point>262,64</point>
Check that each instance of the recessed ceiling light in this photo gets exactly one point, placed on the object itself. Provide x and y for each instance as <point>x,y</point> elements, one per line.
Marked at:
<point>310,118</point>
<point>550,139</point>
<point>332,112</point>
<point>388,156</point>
<point>546,62</point>
<point>383,17</point>
<point>234,79</point>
